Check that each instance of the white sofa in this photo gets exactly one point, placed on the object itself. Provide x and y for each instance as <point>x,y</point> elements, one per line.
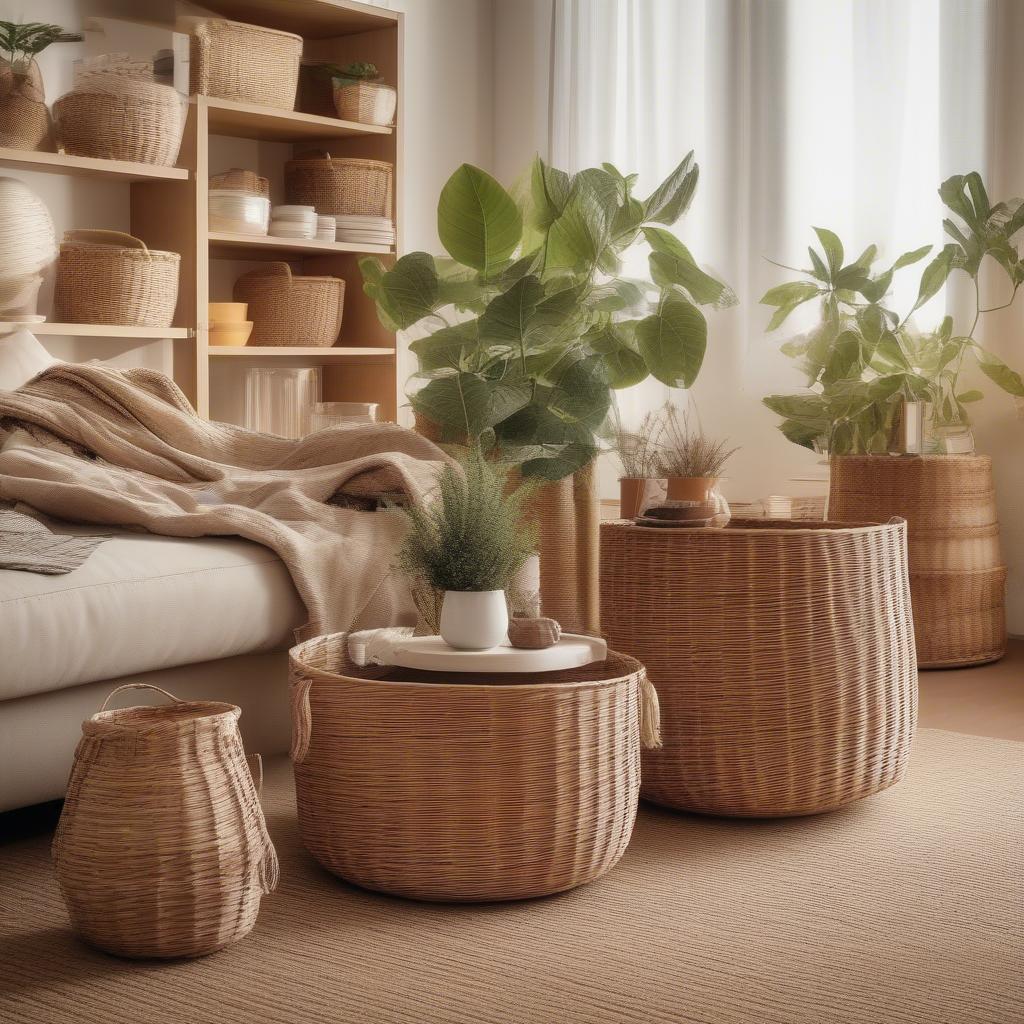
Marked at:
<point>208,617</point>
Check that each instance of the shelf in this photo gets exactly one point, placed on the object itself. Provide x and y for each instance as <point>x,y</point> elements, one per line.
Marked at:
<point>98,331</point>
<point>224,245</point>
<point>87,166</point>
<point>301,351</point>
<point>268,124</point>
<point>315,19</point>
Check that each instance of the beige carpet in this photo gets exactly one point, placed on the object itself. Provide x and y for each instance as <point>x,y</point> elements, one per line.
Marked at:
<point>904,908</point>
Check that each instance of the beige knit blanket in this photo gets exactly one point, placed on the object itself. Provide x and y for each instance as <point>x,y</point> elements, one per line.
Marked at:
<point>125,448</point>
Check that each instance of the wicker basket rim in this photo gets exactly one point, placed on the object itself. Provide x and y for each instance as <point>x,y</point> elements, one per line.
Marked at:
<point>778,527</point>
<point>147,718</point>
<point>898,460</point>
<point>327,159</point>
<point>204,24</point>
<point>932,575</point>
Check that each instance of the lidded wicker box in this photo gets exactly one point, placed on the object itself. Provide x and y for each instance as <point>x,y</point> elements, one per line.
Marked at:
<point>340,185</point>
<point>287,309</point>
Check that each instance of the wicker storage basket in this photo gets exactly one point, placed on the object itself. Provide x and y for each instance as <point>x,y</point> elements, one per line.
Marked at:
<point>495,788</point>
<point>238,180</point>
<point>340,185</point>
<point>106,277</point>
<point>957,576</point>
<point>113,117</point>
<point>289,310</point>
<point>783,654</point>
<point>162,850</point>
<point>24,118</point>
<point>246,63</point>
<point>365,102</point>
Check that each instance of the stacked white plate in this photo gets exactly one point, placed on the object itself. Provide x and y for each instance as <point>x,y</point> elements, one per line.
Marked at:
<point>240,212</point>
<point>365,230</point>
<point>325,228</point>
<point>293,222</point>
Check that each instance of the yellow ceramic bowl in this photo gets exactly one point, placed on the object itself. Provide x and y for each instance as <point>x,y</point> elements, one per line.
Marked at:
<point>225,312</point>
<point>228,333</point>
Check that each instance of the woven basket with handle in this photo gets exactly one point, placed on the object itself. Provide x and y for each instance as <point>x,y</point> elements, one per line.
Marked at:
<point>496,787</point>
<point>340,185</point>
<point>108,277</point>
<point>783,654</point>
<point>162,849</point>
<point>286,309</point>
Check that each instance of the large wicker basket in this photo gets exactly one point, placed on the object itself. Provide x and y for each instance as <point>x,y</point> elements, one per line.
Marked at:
<point>162,850</point>
<point>340,185</point>
<point>106,277</point>
<point>957,575</point>
<point>246,63</point>
<point>290,310</point>
<point>116,118</point>
<point>783,654</point>
<point>493,788</point>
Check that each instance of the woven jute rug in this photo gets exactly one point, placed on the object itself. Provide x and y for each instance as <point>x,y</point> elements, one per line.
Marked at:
<point>904,908</point>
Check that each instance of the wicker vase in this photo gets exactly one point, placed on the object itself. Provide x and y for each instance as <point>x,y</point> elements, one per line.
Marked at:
<point>24,119</point>
<point>783,655</point>
<point>27,246</point>
<point>957,575</point>
<point>162,850</point>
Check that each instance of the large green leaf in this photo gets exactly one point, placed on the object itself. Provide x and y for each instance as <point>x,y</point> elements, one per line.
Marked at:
<point>934,275</point>
<point>507,317</point>
<point>790,294</point>
<point>798,407</point>
<point>410,289</point>
<point>549,189</point>
<point>581,391</point>
<point>477,220</point>
<point>464,405</point>
<point>448,348</point>
<point>580,234</point>
<point>999,373</point>
<point>673,340</point>
<point>616,344</point>
<point>832,247</point>
<point>672,198</point>
<point>568,446</point>
<point>702,287</point>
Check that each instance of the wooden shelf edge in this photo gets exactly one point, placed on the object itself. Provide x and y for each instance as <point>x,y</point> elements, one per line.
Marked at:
<point>273,124</point>
<point>59,330</point>
<point>268,243</point>
<point>87,166</point>
<point>302,351</point>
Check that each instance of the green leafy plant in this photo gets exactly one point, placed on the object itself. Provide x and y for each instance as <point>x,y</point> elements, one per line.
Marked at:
<point>20,44</point>
<point>685,450</point>
<point>356,71</point>
<point>473,535</point>
<point>531,322</point>
<point>863,360</point>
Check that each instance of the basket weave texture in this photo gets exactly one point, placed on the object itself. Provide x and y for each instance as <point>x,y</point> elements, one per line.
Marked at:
<point>493,788</point>
<point>957,575</point>
<point>783,654</point>
<point>106,277</point>
<point>239,180</point>
<point>344,186</point>
<point>290,310</point>
<point>365,102</point>
<point>24,118</point>
<point>162,849</point>
<point>245,63</point>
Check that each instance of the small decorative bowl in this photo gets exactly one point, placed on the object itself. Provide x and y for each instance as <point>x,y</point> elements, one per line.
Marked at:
<point>230,333</point>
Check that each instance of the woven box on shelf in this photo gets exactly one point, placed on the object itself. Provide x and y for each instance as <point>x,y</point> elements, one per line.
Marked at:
<point>340,185</point>
<point>107,277</point>
<point>485,788</point>
<point>286,309</point>
<point>245,63</point>
<point>162,849</point>
<point>783,656</point>
<point>365,102</point>
<point>237,179</point>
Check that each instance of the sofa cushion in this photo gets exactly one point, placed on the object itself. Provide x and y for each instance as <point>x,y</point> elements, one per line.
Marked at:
<point>140,603</point>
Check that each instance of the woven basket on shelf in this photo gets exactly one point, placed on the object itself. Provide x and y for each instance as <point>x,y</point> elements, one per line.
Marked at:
<point>107,277</point>
<point>162,850</point>
<point>115,117</point>
<point>24,118</point>
<point>27,246</point>
<point>783,655</point>
<point>496,788</point>
<point>957,575</point>
<point>245,63</point>
<point>365,102</point>
<point>340,185</point>
<point>238,180</point>
<point>290,310</point>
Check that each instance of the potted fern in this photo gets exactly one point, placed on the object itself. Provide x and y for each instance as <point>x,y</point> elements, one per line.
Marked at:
<point>468,544</point>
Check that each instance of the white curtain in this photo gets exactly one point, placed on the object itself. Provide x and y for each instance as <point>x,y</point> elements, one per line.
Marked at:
<point>845,114</point>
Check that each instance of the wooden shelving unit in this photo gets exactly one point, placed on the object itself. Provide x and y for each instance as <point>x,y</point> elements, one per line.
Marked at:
<point>87,167</point>
<point>253,247</point>
<point>246,121</point>
<point>301,352</point>
<point>57,330</point>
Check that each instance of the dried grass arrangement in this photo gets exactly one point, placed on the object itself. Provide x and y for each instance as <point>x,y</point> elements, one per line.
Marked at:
<point>686,451</point>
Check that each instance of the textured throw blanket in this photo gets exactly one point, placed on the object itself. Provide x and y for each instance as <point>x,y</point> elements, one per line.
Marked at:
<point>124,448</point>
<point>28,545</point>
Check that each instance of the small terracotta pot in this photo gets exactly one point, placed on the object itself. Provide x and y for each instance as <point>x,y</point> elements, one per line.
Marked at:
<point>631,496</point>
<point>692,488</point>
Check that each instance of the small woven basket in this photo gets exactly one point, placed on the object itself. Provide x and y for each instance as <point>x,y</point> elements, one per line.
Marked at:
<point>340,185</point>
<point>24,117</point>
<point>114,117</point>
<point>162,849</point>
<point>290,310</point>
<point>107,277</point>
<point>365,102</point>
<point>238,180</point>
<point>496,788</point>
<point>245,63</point>
<point>783,654</point>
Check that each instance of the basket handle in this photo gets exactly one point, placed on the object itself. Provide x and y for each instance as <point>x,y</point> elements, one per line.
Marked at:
<point>274,269</point>
<point>139,686</point>
<point>313,152</point>
<point>101,235</point>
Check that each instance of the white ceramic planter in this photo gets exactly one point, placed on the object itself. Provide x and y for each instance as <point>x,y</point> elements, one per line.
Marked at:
<point>474,620</point>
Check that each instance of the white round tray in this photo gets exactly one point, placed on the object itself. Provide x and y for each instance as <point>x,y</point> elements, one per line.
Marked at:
<point>432,654</point>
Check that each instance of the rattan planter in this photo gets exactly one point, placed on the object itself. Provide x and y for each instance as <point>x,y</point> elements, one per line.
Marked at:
<point>365,102</point>
<point>162,850</point>
<point>496,788</point>
<point>957,575</point>
<point>783,654</point>
<point>340,185</point>
<point>286,309</point>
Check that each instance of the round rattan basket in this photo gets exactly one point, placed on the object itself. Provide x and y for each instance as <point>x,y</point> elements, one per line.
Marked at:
<point>289,310</point>
<point>365,102</point>
<point>783,654</point>
<point>340,185</point>
<point>106,277</point>
<point>114,117</point>
<point>957,575</point>
<point>493,788</point>
<point>162,849</point>
<point>246,63</point>
<point>24,117</point>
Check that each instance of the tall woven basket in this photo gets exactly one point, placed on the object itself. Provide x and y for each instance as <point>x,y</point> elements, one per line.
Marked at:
<point>783,655</point>
<point>107,277</point>
<point>957,575</point>
<point>343,186</point>
<point>290,310</point>
<point>161,849</point>
<point>499,788</point>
